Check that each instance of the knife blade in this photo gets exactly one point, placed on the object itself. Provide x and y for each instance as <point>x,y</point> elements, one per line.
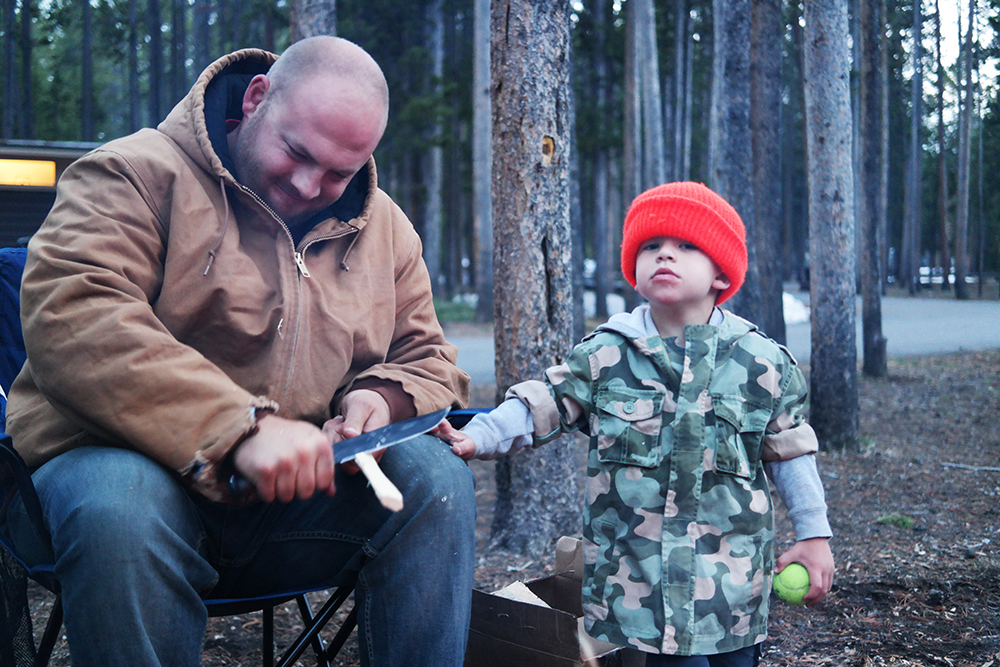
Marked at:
<point>347,450</point>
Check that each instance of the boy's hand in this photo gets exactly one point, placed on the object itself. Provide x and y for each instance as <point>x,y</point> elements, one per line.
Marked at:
<point>816,557</point>
<point>461,445</point>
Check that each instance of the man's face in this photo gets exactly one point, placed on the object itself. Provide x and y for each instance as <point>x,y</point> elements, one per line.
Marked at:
<point>298,151</point>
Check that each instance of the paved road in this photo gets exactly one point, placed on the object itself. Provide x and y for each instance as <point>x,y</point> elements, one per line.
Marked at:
<point>911,327</point>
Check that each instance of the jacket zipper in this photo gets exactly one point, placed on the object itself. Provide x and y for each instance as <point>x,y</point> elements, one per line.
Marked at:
<point>300,261</point>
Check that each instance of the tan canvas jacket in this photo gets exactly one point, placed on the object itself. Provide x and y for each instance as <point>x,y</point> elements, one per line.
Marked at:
<point>163,304</point>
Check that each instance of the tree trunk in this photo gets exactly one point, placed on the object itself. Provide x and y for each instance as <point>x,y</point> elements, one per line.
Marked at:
<point>964,156</point>
<point>202,36</point>
<point>910,260</point>
<point>730,142</point>
<point>433,171</point>
<point>942,207</point>
<point>26,105</point>
<point>633,105</point>
<point>604,265</point>
<point>155,61</point>
<point>682,19</point>
<point>86,74</point>
<point>536,490</point>
<point>766,28</point>
<point>309,18</point>
<point>871,24</point>
<point>178,51</point>
<point>9,59</point>
<point>134,95</point>
<point>482,160</point>
<point>833,377</point>
<point>882,211</point>
<point>653,143</point>
<point>632,125</point>
<point>688,106</point>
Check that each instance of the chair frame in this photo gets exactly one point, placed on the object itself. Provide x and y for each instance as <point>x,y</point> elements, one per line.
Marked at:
<point>314,623</point>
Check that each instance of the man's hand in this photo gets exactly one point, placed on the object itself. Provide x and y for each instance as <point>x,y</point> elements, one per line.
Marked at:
<point>363,410</point>
<point>461,444</point>
<point>286,458</point>
<point>816,557</point>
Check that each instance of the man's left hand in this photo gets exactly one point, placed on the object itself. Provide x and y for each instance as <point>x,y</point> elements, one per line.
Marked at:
<point>363,410</point>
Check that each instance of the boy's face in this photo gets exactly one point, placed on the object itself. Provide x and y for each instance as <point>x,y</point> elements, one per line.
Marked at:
<point>674,273</point>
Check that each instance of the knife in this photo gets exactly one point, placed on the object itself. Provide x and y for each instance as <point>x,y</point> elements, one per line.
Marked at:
<point>364,444</point>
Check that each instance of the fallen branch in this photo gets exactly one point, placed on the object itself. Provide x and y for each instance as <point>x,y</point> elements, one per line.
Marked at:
<point>966,467</point>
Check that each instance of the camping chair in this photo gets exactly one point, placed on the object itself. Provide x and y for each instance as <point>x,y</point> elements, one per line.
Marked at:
<point>17,645</point>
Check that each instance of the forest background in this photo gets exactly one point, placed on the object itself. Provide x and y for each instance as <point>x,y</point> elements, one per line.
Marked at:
<point>93,71</point>
<point>756,98</point>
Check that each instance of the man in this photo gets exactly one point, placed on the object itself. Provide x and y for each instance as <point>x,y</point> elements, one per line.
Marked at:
<point>231,292</point>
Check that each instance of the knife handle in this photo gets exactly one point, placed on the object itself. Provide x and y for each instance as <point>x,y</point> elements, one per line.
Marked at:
<point>384,489</point>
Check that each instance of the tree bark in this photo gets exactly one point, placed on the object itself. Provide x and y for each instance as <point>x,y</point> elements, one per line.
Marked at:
<point>910,259</point>
<point>766,28</point>
<point>632,176</point>
<point>871,24</point>
<point>682,19</point>
<point>155,61</point>
<point>26,122</point>
<point>536,490</point>
<point>604,266</point>
<point>653,143</point>
<point>86,73</point>
<point>433,171</point>
<point>9,59</point>
<point>482,160</point>
<point>312,17</point>
<point>942,206</point>
<point>833,377</point>
<point>178,51</point>
<point>134,95</point>
<point>730,140</point>
<point>632,126</point>
<point>202,36</point>
<point>964,157</point>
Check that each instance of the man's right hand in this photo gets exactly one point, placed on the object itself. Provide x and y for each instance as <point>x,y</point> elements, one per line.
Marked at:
<point>286,458</point>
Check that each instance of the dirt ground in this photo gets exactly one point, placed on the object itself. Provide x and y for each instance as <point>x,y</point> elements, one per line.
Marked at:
<point>916,516</point>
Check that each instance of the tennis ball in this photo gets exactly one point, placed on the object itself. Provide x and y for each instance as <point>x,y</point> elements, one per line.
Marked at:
<point>792,584</point>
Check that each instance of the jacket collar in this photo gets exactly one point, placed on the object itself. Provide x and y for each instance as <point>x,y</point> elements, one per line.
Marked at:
<point>638,324</point>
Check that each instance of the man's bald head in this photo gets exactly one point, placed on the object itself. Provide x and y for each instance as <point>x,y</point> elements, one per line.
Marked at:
<point>327,60</point>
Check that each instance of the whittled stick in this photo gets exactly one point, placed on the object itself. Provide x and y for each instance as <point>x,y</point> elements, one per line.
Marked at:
<point>384,489</point>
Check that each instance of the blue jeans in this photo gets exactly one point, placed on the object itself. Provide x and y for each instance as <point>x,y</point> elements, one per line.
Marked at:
<point>135,553</point>
<point>744,657</point>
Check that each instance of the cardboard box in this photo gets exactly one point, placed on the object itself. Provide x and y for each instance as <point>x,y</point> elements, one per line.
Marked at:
<point>539,623</point>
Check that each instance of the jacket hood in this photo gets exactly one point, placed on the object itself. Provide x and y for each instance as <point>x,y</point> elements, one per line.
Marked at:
<point>198,126</point>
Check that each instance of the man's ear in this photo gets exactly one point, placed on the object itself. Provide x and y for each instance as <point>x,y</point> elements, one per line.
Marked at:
<point>255,93</point>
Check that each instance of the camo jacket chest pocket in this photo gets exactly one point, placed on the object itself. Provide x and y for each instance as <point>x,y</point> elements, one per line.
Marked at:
<point>629,425</point>
<point>740,427</point>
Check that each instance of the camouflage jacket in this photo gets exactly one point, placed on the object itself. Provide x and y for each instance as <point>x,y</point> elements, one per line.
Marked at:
<point>678,530</point>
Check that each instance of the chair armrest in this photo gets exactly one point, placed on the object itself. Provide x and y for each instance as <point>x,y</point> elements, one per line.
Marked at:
<point>15,477</point>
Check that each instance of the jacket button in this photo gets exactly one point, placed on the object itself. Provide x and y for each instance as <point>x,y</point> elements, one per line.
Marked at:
<point>629,408</point>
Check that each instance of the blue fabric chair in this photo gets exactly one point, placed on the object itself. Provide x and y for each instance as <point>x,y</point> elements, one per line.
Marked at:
<point>12,354</point>
<point>17,646</point>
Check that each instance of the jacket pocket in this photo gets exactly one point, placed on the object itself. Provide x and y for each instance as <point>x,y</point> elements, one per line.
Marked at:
<point>629,429</point>
<point>740,426</point>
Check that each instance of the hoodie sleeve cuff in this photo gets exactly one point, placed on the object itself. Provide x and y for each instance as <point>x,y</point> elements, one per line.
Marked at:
<point>400,403</point>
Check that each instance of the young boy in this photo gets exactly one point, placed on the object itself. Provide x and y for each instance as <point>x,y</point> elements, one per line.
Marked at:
<point>686,406</point>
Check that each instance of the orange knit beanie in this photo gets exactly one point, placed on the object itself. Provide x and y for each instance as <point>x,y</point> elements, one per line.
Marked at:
<point>692,212</point>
